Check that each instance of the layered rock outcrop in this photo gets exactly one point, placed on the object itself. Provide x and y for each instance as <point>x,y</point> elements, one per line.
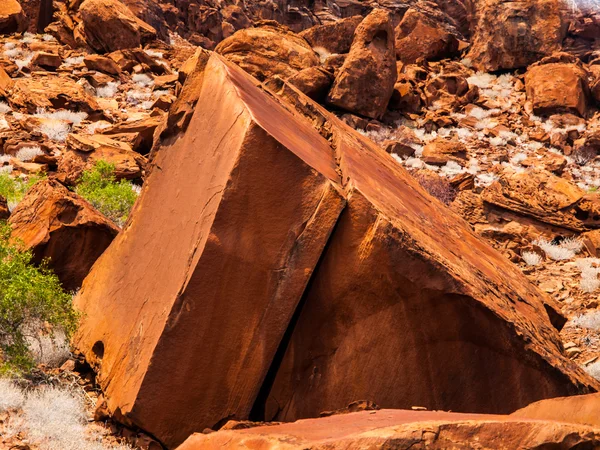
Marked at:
<point>403,430</point>
<point>306,270</point>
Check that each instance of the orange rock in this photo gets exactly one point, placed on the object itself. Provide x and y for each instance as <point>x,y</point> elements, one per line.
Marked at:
<point>513,35</point>
<point>220,184</point>
<point>403,430</point>
<point>12,17</point>
<point>241,206</point>
<point>109,25</point>
<point>440,151</point>
<point>102,64</point>
<point>582,409</point>
<point>268,50</point>
<point>557,87</point>
<point>419,36</point>
<point>365,82</point>
<point>56,223</point>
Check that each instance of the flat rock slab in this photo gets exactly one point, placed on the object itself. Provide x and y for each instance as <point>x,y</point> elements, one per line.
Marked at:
<point>278,264</point>
<point>399,430</point>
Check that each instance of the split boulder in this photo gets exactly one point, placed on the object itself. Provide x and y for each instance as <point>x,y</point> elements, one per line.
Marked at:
<point>402,296</point>
<point>12,17</point>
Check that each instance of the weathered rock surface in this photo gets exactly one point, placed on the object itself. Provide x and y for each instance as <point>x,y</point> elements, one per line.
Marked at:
<point>403,430</point>
<point>333,37</point>
<point>365,82</point>
<point>582,409</point>
<point>12,17</point>
<point>260,189</point>
<point>512,35</point>
<point>56,223</point>
<point>557,88</point>
<point>268,50</point>
<point>402,281</point>
<point>544,197</point>
<point>109,25</point>
<point>418,36</point>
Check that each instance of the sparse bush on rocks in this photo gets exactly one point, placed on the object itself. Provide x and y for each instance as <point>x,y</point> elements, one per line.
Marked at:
<point>13,189</point>
<point>30,298</point>
<point>112,198</point>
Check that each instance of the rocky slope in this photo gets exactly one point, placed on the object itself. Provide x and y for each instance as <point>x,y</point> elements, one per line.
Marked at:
<point>387,202</point>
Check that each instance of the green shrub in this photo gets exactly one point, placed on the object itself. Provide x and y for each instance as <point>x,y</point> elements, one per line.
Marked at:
<point>30,298</point>
<point>112,198</point>
<point>13,189</point>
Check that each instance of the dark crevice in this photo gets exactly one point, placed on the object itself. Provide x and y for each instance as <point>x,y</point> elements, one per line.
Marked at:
<point>257,414</point>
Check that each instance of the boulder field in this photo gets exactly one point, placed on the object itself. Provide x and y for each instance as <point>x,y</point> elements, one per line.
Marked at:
<point>303,269</point>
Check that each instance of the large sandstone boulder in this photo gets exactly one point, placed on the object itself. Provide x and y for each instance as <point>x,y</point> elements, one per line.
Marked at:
<point>403,430</point>
<point>365,82</point>
<point>419,36</point>
<point>109,25</point>
<point>557,87</point>
<point>56,223</point>
<point>268,50</point>
<point>12,17</point>
<point>513,35</point>
<point>303,273</point>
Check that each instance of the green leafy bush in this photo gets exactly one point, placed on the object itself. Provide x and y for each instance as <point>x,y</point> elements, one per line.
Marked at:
<point>13,189</point>
<point>31,298</point>
<point>112,198</point>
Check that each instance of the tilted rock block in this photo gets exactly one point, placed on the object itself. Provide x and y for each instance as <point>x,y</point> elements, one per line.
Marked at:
<point>12,17</point>
<point>58,224</point>
<point>202,310</point>
<point>183,315</point>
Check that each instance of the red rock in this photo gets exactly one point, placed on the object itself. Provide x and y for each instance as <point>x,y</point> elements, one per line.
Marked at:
<point>402,288</point>
<point>402,430</point>
<point>109,25</point>
<point>47,60</point>
<point>365,82</point>
<point>56,223</point>
<point>513,35</point>
<point>314,82</point>
<point>440,151</point>
<point>12,17</point>
<point>268,50</point>
<point>556,88</point>
<point>419,36</point>
<point>335,37</point>
<point>101,64</point>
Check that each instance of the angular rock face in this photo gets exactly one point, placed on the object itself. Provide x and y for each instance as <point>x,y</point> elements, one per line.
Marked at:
<point>365,82</point>
<point>109,25</point>
<point>557,88</point>
<point>405,305</point>
<point>12,17</point>
<point>287,199</point>
<point>55,223</point>
<point>268,50</point>
<point>403,430</point>
<point>513,35</point>
<point>418,36</point>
